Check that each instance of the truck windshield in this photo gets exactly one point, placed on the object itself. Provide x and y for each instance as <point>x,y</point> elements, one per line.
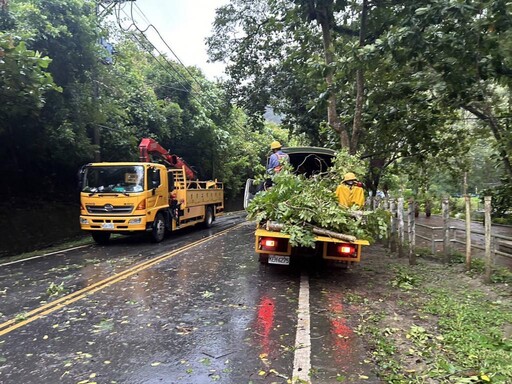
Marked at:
<point>122,179</point>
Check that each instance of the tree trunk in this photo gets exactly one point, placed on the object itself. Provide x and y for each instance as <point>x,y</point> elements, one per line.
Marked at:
<point>428,211</point>
<point>336,235</point>
<point>360,81</point>
<point>333,119</point>
<point>277,227</point>
<point>485,114</point>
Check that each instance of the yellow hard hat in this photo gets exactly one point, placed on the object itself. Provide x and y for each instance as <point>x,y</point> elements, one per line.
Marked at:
<point>275,145</point>
<point>349,176</point>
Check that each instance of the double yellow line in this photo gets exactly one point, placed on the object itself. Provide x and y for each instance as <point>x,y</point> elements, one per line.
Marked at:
<point>64,301</point>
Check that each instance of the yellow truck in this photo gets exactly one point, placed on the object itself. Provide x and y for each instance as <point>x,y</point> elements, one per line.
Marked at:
<point>273,246</point>
<point>146,196</point>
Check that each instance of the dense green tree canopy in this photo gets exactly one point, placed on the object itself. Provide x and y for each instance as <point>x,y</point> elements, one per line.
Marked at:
<point>385,79</point>
<point>66,105</point>
<point>394,77</point>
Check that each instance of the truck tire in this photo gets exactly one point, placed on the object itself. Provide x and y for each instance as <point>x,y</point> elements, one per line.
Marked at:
<point>100,237</point>
<point>208,217</point>
<point>158,229</point>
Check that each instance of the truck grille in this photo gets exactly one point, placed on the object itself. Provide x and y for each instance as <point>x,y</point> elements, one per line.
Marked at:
<point>110,209</point>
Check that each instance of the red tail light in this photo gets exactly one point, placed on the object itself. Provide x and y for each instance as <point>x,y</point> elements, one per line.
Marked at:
<point>269,244</point>
<point>345,249</point>
<point>341,251</point>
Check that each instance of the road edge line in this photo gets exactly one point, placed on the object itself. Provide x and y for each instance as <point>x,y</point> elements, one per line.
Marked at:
<point>302,356</point>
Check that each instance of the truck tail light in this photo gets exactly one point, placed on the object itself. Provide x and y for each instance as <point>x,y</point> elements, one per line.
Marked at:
<point>141,206</point>
<point>346,249</point>
<point>269,244</point>
<point>274,245</point>
<point>342,251</point>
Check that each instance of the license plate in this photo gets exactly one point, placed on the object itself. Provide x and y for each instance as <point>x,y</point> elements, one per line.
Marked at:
<point>282,260</point>
<point>107,226</point>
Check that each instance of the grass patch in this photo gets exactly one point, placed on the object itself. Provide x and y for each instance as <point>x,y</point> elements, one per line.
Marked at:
<point>472,329</point>
<point>458,331</point>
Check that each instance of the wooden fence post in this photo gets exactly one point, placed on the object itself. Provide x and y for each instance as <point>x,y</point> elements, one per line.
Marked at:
<point>411,231</point>
<point>488,254</point>
<point>433,242</point>
<point>400,226</point>
<point>446,230</point>
<point>392,236</point>
<point>467,199</point>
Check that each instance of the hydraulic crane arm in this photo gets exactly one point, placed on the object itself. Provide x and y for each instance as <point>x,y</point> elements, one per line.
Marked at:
<point>149,147</point>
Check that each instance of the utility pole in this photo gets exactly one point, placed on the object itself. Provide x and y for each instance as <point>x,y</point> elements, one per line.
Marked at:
<point>107,5</point>
<point>96,135</point>
<point>102,9</point>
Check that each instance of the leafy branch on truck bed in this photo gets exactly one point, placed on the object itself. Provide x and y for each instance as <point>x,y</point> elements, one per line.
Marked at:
<point>300,204</point>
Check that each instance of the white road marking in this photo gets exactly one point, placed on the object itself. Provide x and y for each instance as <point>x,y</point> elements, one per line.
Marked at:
<point>302,357</point>
<point>44,255</point>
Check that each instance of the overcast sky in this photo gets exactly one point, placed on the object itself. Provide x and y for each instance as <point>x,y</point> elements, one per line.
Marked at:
<point>184,25</point>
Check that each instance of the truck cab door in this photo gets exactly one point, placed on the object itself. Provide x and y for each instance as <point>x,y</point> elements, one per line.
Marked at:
<point>155,188</point>
<point>250,191</point>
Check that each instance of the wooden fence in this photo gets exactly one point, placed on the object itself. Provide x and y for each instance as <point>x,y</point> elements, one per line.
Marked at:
<point>446,238</point>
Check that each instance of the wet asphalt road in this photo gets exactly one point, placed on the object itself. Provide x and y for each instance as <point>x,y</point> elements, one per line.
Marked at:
<point>196,308</point>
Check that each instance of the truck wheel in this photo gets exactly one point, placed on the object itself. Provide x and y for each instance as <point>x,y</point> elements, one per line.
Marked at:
<point>208,217</point>
<point>158,230</point>
<point>101,237</point>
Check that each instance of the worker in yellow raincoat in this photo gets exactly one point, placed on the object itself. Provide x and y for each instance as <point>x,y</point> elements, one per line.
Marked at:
<point>350,192</point>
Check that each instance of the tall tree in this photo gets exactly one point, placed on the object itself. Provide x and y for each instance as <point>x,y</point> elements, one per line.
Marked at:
<point>322,12</point>
<point>24,84</point>
<point>467,45</point>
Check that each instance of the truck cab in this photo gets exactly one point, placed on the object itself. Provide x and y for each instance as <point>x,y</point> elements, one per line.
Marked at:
<point>306,161</point>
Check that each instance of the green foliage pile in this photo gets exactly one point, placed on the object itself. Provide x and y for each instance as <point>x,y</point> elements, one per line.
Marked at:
<point>298,203</point>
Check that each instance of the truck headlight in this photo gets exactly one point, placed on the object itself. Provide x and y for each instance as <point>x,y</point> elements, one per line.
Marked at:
<point>84,220</point>
<point>138,220</point>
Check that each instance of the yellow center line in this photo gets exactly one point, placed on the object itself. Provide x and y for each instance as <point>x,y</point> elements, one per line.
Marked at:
<point>64,301</point>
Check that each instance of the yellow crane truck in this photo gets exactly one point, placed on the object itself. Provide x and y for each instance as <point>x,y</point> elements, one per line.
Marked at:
<point>146,196</point>
<point>273,246</point>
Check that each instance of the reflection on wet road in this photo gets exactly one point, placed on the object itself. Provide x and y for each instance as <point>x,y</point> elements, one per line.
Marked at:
<point>210,313</point>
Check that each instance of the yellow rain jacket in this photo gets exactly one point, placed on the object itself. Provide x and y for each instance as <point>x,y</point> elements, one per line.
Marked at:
<point>350,195</point>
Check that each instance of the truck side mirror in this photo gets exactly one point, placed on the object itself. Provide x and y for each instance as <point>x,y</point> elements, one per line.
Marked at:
<point>153,178</point>
<point>81,173</point>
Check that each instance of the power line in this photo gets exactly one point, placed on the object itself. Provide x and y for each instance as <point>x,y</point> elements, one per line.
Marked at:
<point>168,47</point>
<point>142,32</point>
<point>142,14</point>
<point>151,26</point>
<point>134,37</point>
<point>159,62</point>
